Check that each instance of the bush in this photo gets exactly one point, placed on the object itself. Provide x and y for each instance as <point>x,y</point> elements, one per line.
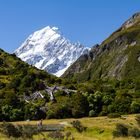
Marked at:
<point>134,133</point>
<point>114,115</point>
<point>138,119</point>
<point>79,127</point>
<point>56,135</point>
<point>28,131</point>
<point>10,130</point>
<point>68,134</point>
<point>16,115</point>
<point>2,85</point>
<point>92,113</point>
<point>121,131</point>
<point>135,107</point>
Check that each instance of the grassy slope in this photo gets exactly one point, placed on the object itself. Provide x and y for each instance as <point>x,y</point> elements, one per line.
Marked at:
<point>113,52</point>
<point>15,74</point>
<point>94,127</point>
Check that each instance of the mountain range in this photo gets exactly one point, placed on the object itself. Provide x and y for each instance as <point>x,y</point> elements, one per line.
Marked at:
<point>102,81</point>
<point>48,50</point>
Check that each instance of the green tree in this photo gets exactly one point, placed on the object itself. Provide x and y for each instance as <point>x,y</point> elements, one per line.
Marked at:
<point>16,115</point>
<point>80,106</point>
<point>6,112</point>
<point>135,107</point>
<point>95,102</point>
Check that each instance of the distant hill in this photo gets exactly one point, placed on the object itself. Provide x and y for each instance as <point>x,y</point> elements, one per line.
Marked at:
<point>117,57</point>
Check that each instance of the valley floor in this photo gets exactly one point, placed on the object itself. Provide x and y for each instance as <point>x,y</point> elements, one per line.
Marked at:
<point>98,128</point>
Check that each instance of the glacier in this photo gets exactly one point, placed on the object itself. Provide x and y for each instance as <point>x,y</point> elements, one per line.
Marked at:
<point>48,50</point>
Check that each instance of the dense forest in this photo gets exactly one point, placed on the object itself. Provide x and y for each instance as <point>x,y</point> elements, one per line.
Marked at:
<point>92,98</point>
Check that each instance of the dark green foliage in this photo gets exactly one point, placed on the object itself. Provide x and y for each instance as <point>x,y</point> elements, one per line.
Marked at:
<point>28,131</point>
<point>16,80</point>
<point>95,101</point>
<point>10,130</point>
<point>114,115</point>
<point>60,109</point>
<point>135,107</point>
<point>78,126</point>
<point>75,105</point>
<point>121,131</point>
<point>2,85</point>
<point>80,106</point>
<point>32,112</point>
<point>134,132</point>
<point>92,113</point>
<point>1,61</point>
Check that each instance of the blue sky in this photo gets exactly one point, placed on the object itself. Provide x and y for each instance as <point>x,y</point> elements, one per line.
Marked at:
<point>86,21</point>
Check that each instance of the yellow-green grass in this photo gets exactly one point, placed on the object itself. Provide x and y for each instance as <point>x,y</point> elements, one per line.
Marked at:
<point>98,128</point>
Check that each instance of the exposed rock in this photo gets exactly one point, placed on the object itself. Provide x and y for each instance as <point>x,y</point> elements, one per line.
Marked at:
<point>130,22</point>
<point>133,43</point>
<point>120,61</point>
<point>139,58</point>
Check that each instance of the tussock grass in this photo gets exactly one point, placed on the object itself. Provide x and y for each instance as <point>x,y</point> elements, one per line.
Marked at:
<point>98,128</point>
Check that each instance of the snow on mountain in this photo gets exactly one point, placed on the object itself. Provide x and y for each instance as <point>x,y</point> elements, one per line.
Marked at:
<point>47,49</point>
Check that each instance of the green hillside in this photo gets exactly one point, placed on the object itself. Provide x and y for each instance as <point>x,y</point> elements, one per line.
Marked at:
<point>110,73</point>
<point>25,93</point>
<point>16,80</point>
<point>117,57</point>
<point>17,75</point>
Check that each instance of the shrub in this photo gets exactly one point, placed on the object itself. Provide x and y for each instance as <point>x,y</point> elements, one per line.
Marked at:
<point>28,131</point>
<point>114,115</point>
<point>135,107</point>
<point>138,119</point>
<point>10,130</point>
<point>56,135</point>
<point>68,136</point>
<point>121,131</point>
<point>134,132</point>
<point>79,127</point>
<point>92,113</point>
<point>2,85</point>
<point>16,114</point>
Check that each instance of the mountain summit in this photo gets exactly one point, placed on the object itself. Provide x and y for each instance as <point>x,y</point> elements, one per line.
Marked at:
<point>47,49</point>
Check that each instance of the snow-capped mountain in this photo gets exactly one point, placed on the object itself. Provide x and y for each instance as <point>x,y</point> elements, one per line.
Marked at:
<point>47,49</point>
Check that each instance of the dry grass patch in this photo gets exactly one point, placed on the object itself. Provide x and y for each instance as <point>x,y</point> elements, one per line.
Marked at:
<point>98,128</point>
